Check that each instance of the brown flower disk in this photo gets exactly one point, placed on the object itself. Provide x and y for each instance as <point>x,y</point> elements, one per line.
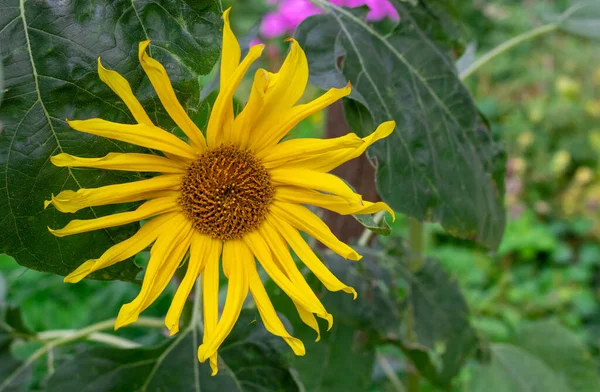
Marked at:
<point>226,193</point>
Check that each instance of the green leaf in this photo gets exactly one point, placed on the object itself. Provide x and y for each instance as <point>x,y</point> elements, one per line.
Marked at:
<point>341,361</point>
<point>250,360</point>
<point>440,163</point>
<point>381,227</point>
<point>437,333</point>
<point>561,351</point>
<point>49,52</point>
<point>512,369</point>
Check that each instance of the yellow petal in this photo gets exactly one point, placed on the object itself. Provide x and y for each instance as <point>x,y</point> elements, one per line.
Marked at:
<point>210,301</point>
<point>287,86</point>
<point>221,117</point>
<point>149,209</point>
<point>329,202</point>
<point>123,250</point>
<point>165,257</point>
<point>304,148</point>
<point>237,255</point>
<point>268,314</point>
<point>230,59</point>
<point>309,319</point>
<point>303,219</point>
<point>121,87</point>
<point>243,129</point>
<point>125,162</point>
<point>308,257</point>
<point>203,249</point>
<point>329,161</point>
<point>70,201</point>
<point>269,133</point>
<point>261,250</point>
<point>162,85</point>
<point>140,134</point>
<point>282,254</point>
<point>311,179</point>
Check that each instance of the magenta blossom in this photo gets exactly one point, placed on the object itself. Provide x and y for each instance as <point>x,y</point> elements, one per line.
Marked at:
<point>290,13</point>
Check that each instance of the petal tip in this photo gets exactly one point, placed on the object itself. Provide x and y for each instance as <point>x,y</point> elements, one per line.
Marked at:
<point>329,319</point>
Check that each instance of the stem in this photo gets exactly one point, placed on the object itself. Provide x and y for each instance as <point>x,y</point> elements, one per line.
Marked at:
<point>511,43</point>
<point>390,373</point>
<point>98,337</point>
<point>415,241</point>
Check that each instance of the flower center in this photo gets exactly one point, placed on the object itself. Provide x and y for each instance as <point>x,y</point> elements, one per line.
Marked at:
<point>226,193</point>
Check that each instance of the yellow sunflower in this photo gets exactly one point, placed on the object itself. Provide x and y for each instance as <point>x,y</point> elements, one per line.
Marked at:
<point>237,195</point>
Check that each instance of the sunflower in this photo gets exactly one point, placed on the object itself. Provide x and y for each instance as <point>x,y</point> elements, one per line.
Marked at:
<point>237,195</point>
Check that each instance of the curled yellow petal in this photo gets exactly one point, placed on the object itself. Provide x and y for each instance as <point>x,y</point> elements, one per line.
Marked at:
<point>311,179</point>
<point>268,314</point>
<point>308,257</point>
<point>71,201</point>
<point>287,86</point>
<point>121,87</point>
<point>330,202</point>
<point>140,134</point>
<point>237,255</point>
<point>261,250</point>
<point>203,250</point>
<point>149,209</point>
<point>221,117</point>
<point>123,250</point>
<point>303,219</point>
<point>329,161</point>
<point>210,302</point>
<point>122,161</point>
<point>309,319</point>
<point>268,133</point>
<point>243,130</point>
<point>231,52</point>
<point>282,254</point>
<point>165,257</point>
<point>162,85</point>
<point>304,148</point>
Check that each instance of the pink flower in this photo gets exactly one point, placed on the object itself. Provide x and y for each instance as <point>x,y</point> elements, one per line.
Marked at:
<point>290,13</point>
<point>381,9</point>
<point>273,25</point>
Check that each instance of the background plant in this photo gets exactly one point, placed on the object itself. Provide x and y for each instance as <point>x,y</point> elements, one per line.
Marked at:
<point>469,301</point>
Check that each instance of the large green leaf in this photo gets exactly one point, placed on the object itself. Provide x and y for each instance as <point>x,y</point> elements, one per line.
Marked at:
<point>512,369</point>
<point>563,352</point>
<point>437,333</point>
<point>49,50</point>
<point>440,163</point>
<point>250,360</point>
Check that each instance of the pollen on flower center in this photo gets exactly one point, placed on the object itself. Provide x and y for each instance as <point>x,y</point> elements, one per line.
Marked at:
<point>226,193</point>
